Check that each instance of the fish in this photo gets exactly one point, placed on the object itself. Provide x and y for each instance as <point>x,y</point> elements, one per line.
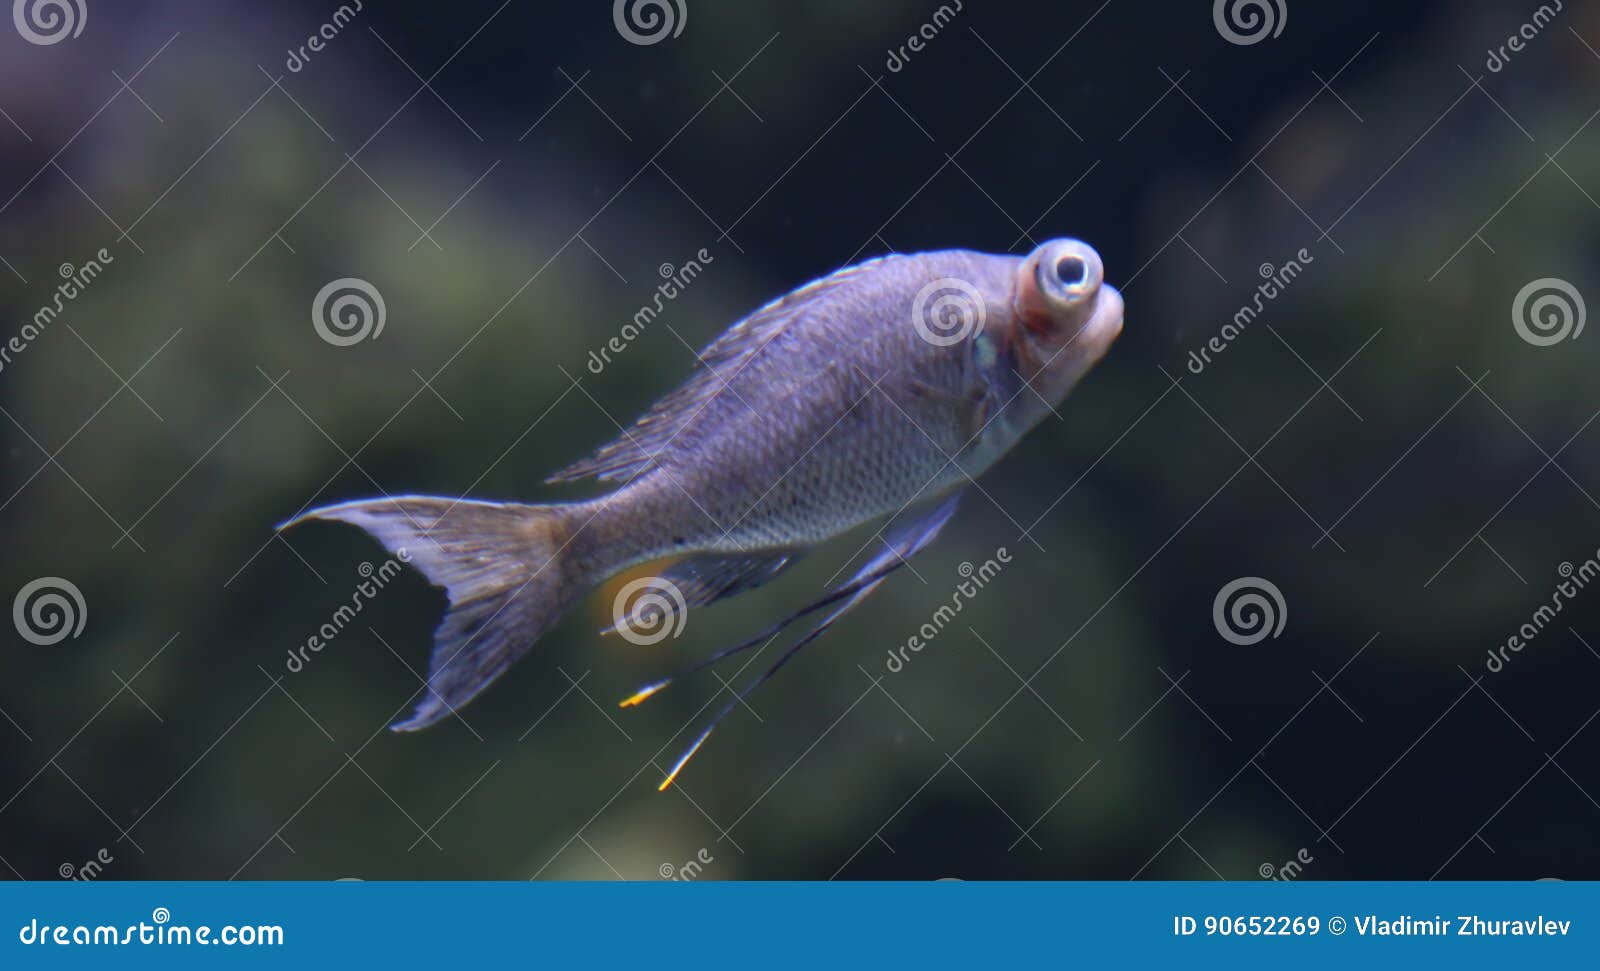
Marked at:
<point>877,392</point>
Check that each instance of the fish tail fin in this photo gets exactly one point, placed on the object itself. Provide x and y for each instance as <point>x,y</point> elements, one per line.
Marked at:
<point>504,567</point>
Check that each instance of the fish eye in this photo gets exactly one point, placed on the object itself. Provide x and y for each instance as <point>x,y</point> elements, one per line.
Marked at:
<point>1071,270</point>
<point>1067,271</point>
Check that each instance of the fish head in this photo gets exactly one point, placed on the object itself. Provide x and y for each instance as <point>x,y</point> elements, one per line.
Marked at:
<point>1064,316</point>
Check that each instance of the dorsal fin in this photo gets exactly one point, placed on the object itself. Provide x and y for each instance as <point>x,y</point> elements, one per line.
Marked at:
<point>635,450</point>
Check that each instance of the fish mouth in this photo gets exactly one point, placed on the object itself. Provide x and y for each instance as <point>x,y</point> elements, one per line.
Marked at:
<point>1106,325</point>
<point>1056,366</point>
<point>1092,340</point>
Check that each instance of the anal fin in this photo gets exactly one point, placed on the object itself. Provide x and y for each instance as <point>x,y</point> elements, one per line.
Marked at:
<point>708,577</point>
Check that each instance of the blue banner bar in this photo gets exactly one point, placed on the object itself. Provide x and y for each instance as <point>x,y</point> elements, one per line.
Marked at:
<point>940,924</point>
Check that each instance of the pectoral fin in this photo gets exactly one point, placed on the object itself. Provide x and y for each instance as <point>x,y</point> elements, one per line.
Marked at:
<point>971,410</point>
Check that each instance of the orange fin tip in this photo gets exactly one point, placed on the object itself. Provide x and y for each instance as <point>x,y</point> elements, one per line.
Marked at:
<point>683,760</point>
<point>642,694</point>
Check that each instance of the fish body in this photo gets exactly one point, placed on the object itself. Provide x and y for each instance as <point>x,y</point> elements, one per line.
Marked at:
<point>883,385</point>
<point>832,409</point>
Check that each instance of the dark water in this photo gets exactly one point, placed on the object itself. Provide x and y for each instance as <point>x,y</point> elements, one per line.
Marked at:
<point>1376,441</point>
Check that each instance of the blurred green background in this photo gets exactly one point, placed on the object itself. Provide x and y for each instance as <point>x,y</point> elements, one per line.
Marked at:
<point>511,177</point>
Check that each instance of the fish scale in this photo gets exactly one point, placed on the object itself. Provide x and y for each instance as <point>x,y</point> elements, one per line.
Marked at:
<point>843,438</point>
